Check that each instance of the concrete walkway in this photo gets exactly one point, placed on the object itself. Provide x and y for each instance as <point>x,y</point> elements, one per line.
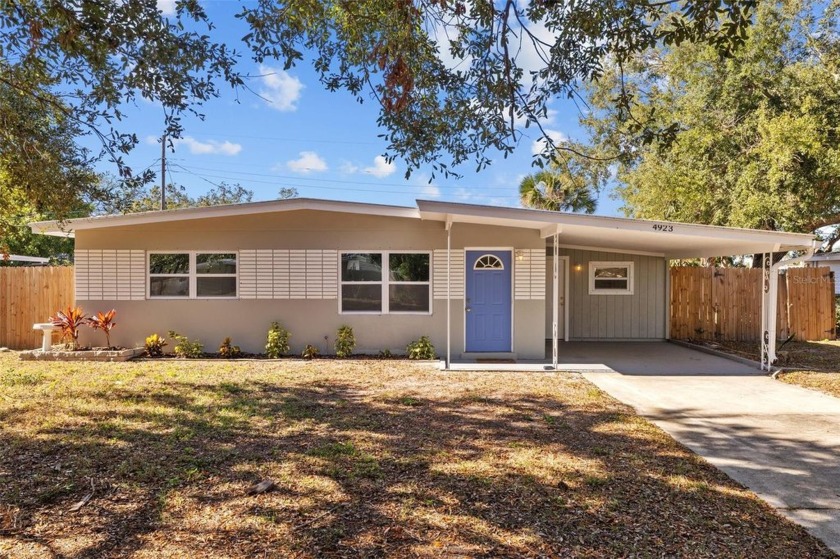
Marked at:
<point>781,441</point>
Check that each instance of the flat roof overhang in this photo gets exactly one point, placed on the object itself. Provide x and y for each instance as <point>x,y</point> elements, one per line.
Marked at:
<point>590,232</point>
<point>635,236</point>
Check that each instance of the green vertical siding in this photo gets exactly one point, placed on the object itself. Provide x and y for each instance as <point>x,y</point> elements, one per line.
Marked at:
<point>640,316</point>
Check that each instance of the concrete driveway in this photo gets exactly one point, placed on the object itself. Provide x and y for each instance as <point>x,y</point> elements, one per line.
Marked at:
<point>781,441</point>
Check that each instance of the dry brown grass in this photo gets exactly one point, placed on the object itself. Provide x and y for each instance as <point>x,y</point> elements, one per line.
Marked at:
<point>814,365</point>
<point>371,459</point>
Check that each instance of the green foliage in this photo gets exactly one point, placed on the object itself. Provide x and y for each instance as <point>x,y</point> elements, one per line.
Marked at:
<point>421,349</point>
<point>140,199</point>
<point>105,322</point>
<point>70,321</point>
<point>559,190</point>
<point>228,350</point>
<point>184,347</point>
<point>837,312</point>
<point>277,344</point>
<point>385,353</point>
<point>309,352</point>
<point>345,342</point>
<point>453,78</point>
<point>69,68</point>
<point>756,143</point>
<point>154,345</point>
<point>456,78</point>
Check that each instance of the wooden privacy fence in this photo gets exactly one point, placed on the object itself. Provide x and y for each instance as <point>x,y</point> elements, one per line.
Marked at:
<point>725,304</point>
<point>29,295</point>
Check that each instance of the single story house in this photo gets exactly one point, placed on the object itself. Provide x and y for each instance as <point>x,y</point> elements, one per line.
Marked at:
<point>478,280</point>
<point>830,259</point>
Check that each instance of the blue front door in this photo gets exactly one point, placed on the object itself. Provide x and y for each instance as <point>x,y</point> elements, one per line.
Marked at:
<point>488,307</point>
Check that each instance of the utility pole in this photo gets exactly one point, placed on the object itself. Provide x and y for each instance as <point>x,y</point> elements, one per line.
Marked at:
<point>163,172</point>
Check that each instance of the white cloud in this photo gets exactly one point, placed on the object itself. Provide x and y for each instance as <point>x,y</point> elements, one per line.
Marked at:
<point>210,147</point>
<point>280,89</point>
<point>539,145</point>
<point>380,168</point>
<point>167,7</point>
<point>197,147</point>
<point>348,168</point>
<point>308,162</point>
<point>430,191</point>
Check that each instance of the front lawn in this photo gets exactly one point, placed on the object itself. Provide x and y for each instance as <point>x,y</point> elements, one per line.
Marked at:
<point>370,459</point>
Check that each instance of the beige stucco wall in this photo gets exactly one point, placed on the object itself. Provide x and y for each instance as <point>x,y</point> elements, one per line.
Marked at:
<point>247,321</point>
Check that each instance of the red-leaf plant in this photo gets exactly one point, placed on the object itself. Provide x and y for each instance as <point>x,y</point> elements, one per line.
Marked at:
<point>70,320</point>
<point>104,322</point>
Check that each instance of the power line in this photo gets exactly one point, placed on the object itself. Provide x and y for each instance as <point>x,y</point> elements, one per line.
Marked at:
<point>339,181</point>
<point>342,189</point>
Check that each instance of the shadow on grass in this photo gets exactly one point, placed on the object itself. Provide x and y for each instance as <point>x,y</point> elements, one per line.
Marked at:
<point>365,474</point>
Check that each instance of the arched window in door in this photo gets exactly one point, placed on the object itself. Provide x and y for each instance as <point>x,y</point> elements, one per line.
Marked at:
<point>488,262</point>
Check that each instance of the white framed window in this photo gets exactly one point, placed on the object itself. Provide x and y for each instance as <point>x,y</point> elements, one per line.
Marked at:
<point>385,282</point>
<point>611,278</point>
<point>192,275</point>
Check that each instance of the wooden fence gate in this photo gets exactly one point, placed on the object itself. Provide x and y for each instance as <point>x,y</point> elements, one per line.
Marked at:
<point>725,304</point>
<point>29,295</point>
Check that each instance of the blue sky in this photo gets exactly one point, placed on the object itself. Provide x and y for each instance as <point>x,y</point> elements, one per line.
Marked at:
<point>294,133</point>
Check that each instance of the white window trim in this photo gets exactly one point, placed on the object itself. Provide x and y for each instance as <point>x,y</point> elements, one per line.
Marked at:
<point>192,275</point>
<point>611,264</point>
<point>385,282</point>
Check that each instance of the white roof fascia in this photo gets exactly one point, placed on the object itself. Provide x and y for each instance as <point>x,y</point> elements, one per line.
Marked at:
<point>753,240</point>
<point>614,250</point>
<point>31,259</point>
<point>67,228</point>
<point>528,218</point>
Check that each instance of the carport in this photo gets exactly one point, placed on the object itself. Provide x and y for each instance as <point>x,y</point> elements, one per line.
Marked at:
<point>616,238</point>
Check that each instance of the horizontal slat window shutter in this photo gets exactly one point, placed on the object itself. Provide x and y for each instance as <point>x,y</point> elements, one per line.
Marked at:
<point>522,276</point>
<point>281,284</point>
<point>80,270</point>
<point>123,275</point>
<point>314,274</point>
<point>247,274</point>
<point>330,274</point>
<point>537,260</point>
<point>265,274</point>
<point>109,275</point>
<point>94,275</point>
<point>297,274</point>
<point>138,275</point>
<point>439,267</point>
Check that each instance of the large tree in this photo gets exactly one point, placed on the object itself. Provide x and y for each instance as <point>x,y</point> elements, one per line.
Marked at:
<point>454,77</point>
<point>755,138</point>
<point>75,65</point>
<point>559,191</point>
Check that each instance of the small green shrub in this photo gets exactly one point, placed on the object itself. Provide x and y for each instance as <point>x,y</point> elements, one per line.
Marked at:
<point>154,345</point>
<point>310,352</point>
<point>228,350</point>
<point>184,347</point>
<point>345,342</point>
<point>277,344</point>
<point>385,354</point>
<point>837,312</point>
<point>421,349</point>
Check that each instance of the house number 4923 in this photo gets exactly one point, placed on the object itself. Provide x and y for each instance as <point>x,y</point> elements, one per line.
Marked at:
<point>663,228</point>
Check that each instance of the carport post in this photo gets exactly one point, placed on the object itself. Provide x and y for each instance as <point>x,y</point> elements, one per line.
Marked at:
<point>448,292</point>
<point>555,312</point>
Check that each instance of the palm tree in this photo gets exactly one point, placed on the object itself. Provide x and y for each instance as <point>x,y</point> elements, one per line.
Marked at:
<point>549,190</point>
